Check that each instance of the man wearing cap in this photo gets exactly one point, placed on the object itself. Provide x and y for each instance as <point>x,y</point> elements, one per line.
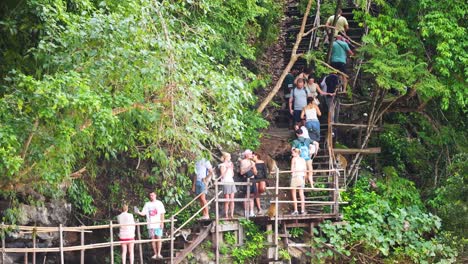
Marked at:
<point>203,168</point>
<point>307,148</point>
<point>154,211</point>
<point>248,171</point>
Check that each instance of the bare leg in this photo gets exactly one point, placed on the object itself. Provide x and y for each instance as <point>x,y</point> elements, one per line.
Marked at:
<point>301,195</point>
<point>226,205</point>
<point>203,203</point>
<point>231,196</point>
<point>130,252</point>
<point>251,202</point>
<point>293,194</point>
<point>310,172</point>
<point>124,253</point>
<point>154,245</point>
<point>158,245</point>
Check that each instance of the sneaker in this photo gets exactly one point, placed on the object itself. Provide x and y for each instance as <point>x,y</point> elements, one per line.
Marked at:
<point>295,213</point>
<point>251,214</point>
<point>160,256</point>
<point>204,218</point>
<point>303,212</point>
<point>154,256</point>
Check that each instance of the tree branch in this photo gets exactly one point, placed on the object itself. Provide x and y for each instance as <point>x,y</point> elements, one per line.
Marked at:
<point>28,142</point>
<point>294,58</point>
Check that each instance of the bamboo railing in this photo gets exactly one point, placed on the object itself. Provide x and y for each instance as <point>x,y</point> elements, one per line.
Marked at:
<point>62,248</point>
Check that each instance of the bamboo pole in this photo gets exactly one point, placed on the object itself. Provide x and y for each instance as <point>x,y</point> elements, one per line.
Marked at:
<point>62,260</point>
<point>34,248</point>
<point>248,201</point>
<point>111,234</point>
<point>82,244</point>
<point>217,223</point>
<point>276,213</point>
<point>140,247</point>
<point>3,242</point>
<point>172,239</point>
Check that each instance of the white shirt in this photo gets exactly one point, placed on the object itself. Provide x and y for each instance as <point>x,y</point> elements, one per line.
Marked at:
<point>229,174</point>
<point>153,212</point>
<point>201,168</point>
<point>126,231</point>
<point>305,132</point>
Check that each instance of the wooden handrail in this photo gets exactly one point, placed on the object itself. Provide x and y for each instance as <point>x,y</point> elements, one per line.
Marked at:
<point>195,214</point>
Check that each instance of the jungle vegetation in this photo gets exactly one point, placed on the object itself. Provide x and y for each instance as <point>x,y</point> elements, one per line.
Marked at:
<point>132,91</point>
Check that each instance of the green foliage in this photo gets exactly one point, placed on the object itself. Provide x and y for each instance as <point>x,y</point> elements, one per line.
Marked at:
<point>79,196</point>
<point>254,245</point>
<point>419,45</point>
<point>284,254</point>
<point>157,82</point>
<point>451,199</point>
<point>386,224</point>
<point>296,232</point>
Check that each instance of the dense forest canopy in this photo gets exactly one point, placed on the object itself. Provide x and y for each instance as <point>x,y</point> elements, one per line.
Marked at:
<point>139,89</point>
<point>154,80</point>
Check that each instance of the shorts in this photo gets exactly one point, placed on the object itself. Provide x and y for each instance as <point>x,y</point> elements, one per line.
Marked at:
<point>127,239</point>
<point>339,66</point>
<point>200,187</point>
<point>155,232</point>
<point>297,116</point>
<point>297,181</point>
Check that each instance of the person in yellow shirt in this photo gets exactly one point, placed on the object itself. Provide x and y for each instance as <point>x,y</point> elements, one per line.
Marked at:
<point>341,23</point>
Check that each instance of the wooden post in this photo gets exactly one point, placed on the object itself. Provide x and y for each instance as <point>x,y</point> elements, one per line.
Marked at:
<point>276,213</point>
<point>26,258</point>
<point>82,244</point>
<point>248,200</point>
<point>62,260</point>
<point>111,234</point>
<point>270,253</point>
<point>139,244</point>
<point>336,194</point>
<point>3,242</point>
<point>172,239</point>
<point>216,223</point>
<point>34,246</point>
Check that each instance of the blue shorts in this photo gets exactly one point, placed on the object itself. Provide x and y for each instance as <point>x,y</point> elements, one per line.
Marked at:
<point>155,232</point>
<point>200,187</point>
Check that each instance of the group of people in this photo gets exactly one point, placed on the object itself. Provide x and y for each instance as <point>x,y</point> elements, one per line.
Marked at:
<point>301,93</point>
<point>251,166</point>
<point>154,212</point>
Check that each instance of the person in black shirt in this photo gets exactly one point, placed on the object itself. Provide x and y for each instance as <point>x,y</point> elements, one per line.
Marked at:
<point>262,173</point>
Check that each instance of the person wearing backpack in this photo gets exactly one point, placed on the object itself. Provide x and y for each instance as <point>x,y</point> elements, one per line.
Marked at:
<point>306,147</point>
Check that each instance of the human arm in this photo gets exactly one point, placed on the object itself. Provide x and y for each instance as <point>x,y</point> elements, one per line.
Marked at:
<point>142,212</point>
<point>162,220</point>
<point>317,109</point>
<point>291,104</point>
<point>303,113</point>
<point>223,170</point>
<point>194,179</point>
<point>319,90</point>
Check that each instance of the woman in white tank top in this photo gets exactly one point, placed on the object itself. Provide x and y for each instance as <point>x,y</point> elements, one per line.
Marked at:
<point>310,113</point>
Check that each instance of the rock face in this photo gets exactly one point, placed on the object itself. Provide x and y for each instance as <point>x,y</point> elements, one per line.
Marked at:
<point>52,214</point>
